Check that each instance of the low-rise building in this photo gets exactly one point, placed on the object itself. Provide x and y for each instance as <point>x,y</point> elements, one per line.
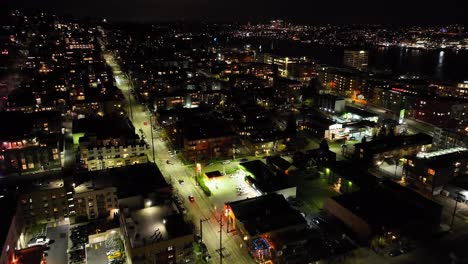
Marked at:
<point>258,219</point>
<point>11,227</point>
<point>396,147</point>
<point>387,207</point>
<point>330,103</point>
<point>322,128</point>
<point>445,138</point>
<point>429,172</point>
<point>43,201</point>
<point>265,180</point>
<point>96,193</point>
<point>155,232</point>
<point>108,143</point>
<point>207,138</point>
<point>32,145</point>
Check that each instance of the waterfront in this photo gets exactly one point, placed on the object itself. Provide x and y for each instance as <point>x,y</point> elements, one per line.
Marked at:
<point>441,65</point>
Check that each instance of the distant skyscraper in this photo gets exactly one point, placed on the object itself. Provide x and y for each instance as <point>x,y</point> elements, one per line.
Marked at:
<point>357,59</point>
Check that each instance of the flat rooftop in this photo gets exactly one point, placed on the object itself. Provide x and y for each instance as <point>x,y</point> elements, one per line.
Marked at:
<point>154,224</point>
<point>389,205</point>
<point>204,128</point>
<point>265,213</point>
<point>31,255</point>
<point>386,144</point>
<point>105,127</point>
<point>129,180</point>
<point>266,180</point>
<point>359,112</point>
<point>213,174</point>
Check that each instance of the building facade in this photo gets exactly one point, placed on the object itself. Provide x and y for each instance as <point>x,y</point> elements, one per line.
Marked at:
<point>99,157</point>
<point>357,59</point>
<point>427,173</point>
<point>44,202</point>
<point>92,203</point>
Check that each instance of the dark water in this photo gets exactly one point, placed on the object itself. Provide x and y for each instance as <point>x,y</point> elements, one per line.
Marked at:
<point>436,64</point>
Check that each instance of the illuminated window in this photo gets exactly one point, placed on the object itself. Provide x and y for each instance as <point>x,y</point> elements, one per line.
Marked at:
<point>431,172</point>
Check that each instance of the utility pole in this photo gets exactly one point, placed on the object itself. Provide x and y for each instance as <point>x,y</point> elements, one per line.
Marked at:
<point>221,239</point>
<point>455,210</point>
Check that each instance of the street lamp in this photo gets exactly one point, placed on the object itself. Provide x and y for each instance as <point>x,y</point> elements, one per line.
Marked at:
<point>459,195</point>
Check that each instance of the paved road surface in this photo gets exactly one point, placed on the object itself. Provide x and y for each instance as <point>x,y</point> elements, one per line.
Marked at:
<point>203,207</point>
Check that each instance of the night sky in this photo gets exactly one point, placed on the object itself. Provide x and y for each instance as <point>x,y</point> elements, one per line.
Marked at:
<point>308,11</point>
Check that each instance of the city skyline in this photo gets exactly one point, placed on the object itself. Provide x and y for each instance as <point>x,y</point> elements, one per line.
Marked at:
<point>396,12</point>
<point>272,142</point>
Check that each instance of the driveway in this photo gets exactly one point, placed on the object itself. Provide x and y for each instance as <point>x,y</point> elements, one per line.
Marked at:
<point>57,254</point>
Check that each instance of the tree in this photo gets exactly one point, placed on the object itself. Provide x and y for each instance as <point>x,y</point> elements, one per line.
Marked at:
<point>382,132</point>
<point>391,131</point>
<point>324,145</point>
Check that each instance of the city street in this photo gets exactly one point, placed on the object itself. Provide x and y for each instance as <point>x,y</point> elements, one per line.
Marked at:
<point>203,207</point>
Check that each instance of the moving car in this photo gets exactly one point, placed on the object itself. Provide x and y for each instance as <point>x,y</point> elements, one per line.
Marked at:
<point>191,198</point>
<point>181,182</point>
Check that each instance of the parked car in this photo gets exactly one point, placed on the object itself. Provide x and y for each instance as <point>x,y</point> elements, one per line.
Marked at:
<point>226,162</point>
<point>41,240</point>
<point>394,253</point>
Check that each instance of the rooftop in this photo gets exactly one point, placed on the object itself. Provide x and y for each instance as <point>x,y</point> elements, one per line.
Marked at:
<point>266,180</point>
<point>279,162</point>
<point>129,180</point>
<point>153,224</point>
<point>360,112</point>
<point>204,128</point>
<point>389,205</point>
<point>392,143</point>
<point>265,213</point>
<point>213,174</point>
<point>105,127</point>
<point>440,153</point>
<point>31,255</point>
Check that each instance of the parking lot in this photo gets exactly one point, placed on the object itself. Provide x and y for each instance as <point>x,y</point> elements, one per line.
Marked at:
<point>110,251</point>
<point>231,187</point>
<point>57,252</point>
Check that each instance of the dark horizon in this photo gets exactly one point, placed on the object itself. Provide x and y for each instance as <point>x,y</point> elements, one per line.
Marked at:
<point>243,11</point>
